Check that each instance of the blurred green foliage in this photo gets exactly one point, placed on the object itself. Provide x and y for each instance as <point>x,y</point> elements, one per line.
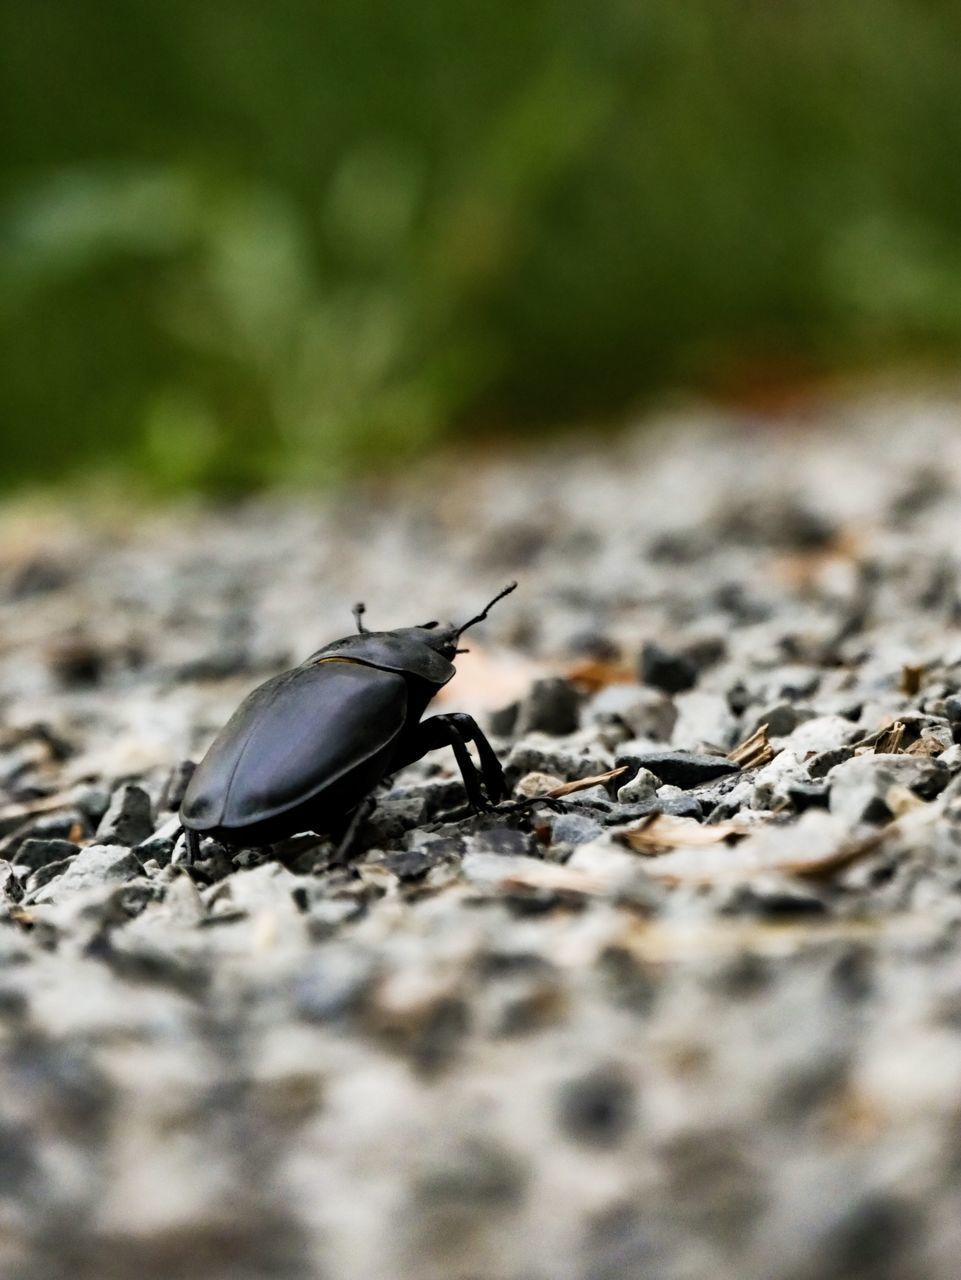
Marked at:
<point>247,242</point>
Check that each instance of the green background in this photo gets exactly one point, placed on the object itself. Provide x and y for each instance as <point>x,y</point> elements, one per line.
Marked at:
<point>246,243</point>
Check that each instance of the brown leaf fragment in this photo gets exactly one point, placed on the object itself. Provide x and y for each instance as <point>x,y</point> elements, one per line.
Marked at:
<point>594,674</point>
<point>753,751</point>
<point>911,677</point>
<point>889,741</point>
<point>885,741</point>
<point>42,804</point>
<point>581,784</point>
<point>662,831</point>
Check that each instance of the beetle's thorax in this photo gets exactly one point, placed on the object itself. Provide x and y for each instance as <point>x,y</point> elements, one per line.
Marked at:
<point>421,652</point>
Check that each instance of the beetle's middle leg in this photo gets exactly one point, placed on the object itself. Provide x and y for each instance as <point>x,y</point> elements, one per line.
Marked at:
<point>348,835</point>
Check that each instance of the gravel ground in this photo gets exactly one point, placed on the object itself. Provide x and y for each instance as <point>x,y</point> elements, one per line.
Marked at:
<point>703,1021</point>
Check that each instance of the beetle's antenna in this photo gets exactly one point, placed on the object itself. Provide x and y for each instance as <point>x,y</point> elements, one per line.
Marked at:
<point>358,611</point>
<point>512,586</point>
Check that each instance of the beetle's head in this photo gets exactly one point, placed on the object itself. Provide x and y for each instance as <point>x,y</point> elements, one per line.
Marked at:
<point>444,639</point>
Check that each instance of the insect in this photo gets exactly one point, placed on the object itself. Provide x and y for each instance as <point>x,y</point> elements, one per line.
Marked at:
<point>307,747</point>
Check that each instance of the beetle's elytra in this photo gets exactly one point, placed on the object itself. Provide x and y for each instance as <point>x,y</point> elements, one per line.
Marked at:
<point>304,749</point>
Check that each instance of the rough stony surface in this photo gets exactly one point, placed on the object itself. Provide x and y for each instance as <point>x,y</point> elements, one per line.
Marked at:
<point>700,1019</point>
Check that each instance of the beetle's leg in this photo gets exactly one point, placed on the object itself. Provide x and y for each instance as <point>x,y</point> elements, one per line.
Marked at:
<point>192,841</point>
<point>468,772</point>
<point>440,731</point>
<point>345,844</point>
<point>490,766</point>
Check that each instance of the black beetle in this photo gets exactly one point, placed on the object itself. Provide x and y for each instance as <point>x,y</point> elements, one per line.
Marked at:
<point>304,749</point>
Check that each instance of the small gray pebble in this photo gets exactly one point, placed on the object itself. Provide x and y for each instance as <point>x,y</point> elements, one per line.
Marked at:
<point>642,786</point>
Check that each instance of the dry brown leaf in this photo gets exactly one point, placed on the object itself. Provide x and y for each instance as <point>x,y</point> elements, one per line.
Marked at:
<point>753,751</point>
<point>43,804</point>
<point>663,831</point>
<point>593,674</point>
<point>581,784</point>
<point>889,740</point>
<point>911,677</point>
<point>883,741</point>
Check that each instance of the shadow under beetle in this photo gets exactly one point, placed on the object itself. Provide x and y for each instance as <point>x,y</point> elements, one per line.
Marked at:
<point>308,746</point>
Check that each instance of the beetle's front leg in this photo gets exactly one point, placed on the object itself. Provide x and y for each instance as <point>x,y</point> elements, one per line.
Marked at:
<point>443,731</point>
<point>490,767</point>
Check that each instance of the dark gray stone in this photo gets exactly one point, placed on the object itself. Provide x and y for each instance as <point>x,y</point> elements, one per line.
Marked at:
<point>574,829</point>
<point>50,826</point>
<point>128,820</point>
<point>174,788</point>
<point>156,848</point>
<point>666,670</point>
<point>413,864</point>
<point>819,766</point>
<point>677,806</point>
<point>781,719</point>
<point>808,795</point>
<point>391,817</point>
<point>39,853</point>
<point>43,875</point>
<point>598,1109</point>
<point>551,707</point>
<point>500,723</point>
<point>679,768</point>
